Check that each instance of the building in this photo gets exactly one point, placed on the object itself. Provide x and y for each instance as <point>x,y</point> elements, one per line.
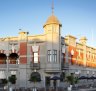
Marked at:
<point>45,55</point>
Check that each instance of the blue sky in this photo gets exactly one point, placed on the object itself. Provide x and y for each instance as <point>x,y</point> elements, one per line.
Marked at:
<point>78,17</point>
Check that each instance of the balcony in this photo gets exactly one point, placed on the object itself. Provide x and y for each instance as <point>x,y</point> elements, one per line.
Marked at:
<point>35,66</point>
<point>52,68</point>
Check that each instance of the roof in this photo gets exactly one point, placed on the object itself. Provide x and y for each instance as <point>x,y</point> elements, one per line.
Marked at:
<point>52,20</point>
<point>83,38</point>
<point>70,36</point>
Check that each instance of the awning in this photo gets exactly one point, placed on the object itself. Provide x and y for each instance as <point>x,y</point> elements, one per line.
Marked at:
<point>83,77</point>
<point>55,78</point>
<point>92,78</point>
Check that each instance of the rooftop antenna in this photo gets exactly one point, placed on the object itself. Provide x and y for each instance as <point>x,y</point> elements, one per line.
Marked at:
<point>52,7</point>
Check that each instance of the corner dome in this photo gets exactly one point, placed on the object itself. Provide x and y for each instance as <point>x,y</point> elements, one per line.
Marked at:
<point>83,38</point>
<point>52,20</point>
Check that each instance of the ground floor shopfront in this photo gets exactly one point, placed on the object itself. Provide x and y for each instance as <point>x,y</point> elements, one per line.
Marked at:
<point>47,79</point>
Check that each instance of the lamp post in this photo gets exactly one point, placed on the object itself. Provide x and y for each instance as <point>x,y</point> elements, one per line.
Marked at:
<point>72,54</point>
<point>63,57</point>
<point>93,73</point>
<point>7,61</point>
<point>76,78</point>
<point>87,74</point>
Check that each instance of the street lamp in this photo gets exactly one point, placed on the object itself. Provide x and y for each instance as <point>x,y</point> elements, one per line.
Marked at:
<point>87,74</point>
<point>93,73</point>
<point>7,63</point>
<point>72,54</point>
<point>63,57</point>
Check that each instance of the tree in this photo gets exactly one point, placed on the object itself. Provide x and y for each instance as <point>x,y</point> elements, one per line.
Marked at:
<point>4,82</point>
<point>35,77</point>
<point>70,79</point>
<point>12,79</point>
<point>76,80</point>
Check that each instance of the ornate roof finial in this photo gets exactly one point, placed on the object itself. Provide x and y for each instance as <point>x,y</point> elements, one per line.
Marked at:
<point>52,7</point>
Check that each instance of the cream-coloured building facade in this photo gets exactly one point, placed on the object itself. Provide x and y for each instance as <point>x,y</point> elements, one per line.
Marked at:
<point>47,54</point>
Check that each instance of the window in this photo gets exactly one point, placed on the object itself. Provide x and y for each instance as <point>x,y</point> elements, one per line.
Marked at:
<point>52,56</point>
<point>35,57</point>
<point>49,56</point>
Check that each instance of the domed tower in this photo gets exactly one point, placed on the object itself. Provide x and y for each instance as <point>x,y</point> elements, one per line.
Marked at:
<point>53,45</point>
<point>52,25</point>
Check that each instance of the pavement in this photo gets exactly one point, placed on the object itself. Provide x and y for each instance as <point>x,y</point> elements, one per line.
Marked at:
<point>87,89</point>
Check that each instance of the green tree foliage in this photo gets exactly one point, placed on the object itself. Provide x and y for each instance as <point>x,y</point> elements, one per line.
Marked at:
<point>72,79</point>
<point>4,81</point>
<point>12,79</point>
<point>34,78</point>
<point>76,80</point>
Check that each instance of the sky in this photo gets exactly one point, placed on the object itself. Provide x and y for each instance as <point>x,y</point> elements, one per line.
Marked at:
<point>78,17</point>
